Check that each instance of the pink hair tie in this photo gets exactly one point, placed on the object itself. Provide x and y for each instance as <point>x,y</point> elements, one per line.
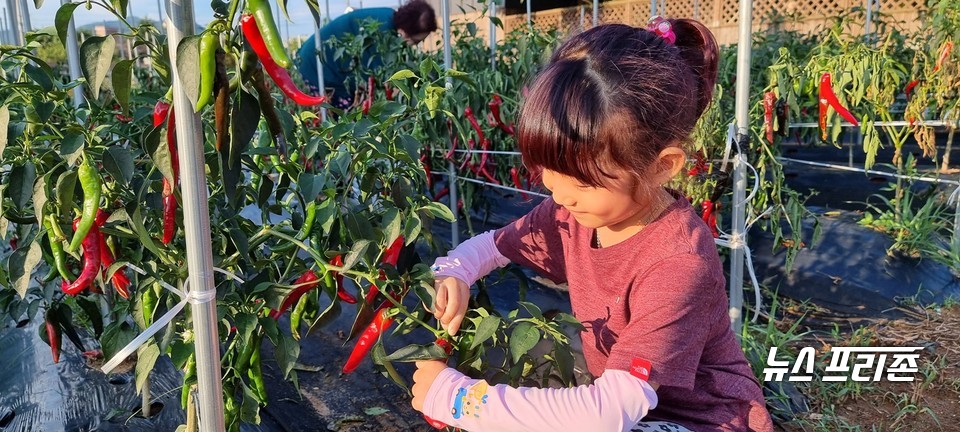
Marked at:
<point>662,28</point>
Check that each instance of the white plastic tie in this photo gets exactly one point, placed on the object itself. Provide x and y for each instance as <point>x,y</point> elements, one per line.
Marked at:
<point>731,131</point>
<point>954,197</point>
<point>737,242</point>
<point>193,297</point>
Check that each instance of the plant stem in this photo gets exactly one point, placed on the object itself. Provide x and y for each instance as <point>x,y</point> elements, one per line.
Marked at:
<point>145,397</point>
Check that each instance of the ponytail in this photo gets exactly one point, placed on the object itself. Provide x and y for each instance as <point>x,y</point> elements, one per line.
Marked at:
<point>699,50</point>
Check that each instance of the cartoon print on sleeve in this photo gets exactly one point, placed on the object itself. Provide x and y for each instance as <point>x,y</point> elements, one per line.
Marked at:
<point>468,401</point>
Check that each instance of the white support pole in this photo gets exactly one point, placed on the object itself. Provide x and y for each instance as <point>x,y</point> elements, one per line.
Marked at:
<point>452,178</point>
<point>582,19</point>
<point>73,60</point>
<point>25,25</point>
<point>868,23</point>
<point>162,28</point>
<point>529,11</point>
<point>493,34</point>
<point>596,12</point>
<point>738,223</point>
<point>653,8</point>
<point>696,10</point>
<point>279,22</point>
<point>3,27</point>
<point>196,221</point>
<point>16,33</point>
<point>318,45</point>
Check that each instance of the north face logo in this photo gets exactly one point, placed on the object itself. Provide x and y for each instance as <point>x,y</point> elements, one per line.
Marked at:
<point>640,368</point>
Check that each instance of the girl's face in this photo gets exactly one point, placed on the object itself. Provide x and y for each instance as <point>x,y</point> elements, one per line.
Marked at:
<point>619,204</point>
<point>611,206</point>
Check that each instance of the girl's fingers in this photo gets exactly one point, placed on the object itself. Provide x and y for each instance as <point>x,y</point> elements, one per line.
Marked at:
<point>453,303</point>
<point>440,302</point>
<point>455,324</point>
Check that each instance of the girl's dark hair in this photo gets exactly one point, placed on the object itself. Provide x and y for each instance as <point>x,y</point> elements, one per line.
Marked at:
<point>415,17</point>
<point>615,96</point>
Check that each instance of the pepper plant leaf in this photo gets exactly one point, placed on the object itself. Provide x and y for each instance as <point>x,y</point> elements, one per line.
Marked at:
<point>121,77</point>
<point>188,68</point>
<point>21,265</point>
<point>62,20</point>
<point>95,55</point>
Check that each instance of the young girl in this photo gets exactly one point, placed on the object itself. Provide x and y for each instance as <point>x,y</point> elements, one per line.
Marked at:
<point>604,124</point>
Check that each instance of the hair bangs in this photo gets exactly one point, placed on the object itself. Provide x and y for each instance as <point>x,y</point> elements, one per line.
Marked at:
<point>561,122</point>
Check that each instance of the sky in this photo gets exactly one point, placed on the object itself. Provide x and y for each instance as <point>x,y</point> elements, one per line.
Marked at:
<point>301,24</point>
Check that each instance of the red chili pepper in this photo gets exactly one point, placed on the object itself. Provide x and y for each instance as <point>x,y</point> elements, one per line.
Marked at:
<point>371,87</point>
<point>494,105</point>
<point>122,118</point>
<point>769,99</point>
<point>515,175</point>
<point>91,262</point>
<point>341,291</point>
<point>388,91</point>
<point>944,53</point>
<point>713,221</point>
<point>466,161</point>
<point>473,122</point>
<point>392,253</point>
<point>306,282</point>
<point>368,338</point>
<point>436,424</point>
<point>169,214</point>
<point>120,281</point>
<point>160,112</point>
<point>426,169</point>
<point>172,145</point>
<point>279,75</point>
<point>699,167</point>
<point>709,218</point>
<point>445,344</point>
<point>485,146</point>
<point>828,97</point>
<point>495,109</point>
<point>909,88</point>
<point>453,148</point>
<point>442,193</point>
<point>53,336</point>
<point>366,107</point>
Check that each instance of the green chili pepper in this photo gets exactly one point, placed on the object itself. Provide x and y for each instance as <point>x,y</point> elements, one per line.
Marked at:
<point>255,373</point>
<point>243,362</point>
<point>148,302</point>
<point>263,15</point>
<point>296,316</point>
<point>305,229</point>
<point>209,43</point>
<point>189,377</point>
<point>59,257</point>
<point>90,183</point>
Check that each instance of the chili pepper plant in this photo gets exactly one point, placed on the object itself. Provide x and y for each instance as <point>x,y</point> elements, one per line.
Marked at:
<point>92,195</point>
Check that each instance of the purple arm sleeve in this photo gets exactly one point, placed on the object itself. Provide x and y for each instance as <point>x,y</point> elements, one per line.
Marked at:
<point>472,260</point>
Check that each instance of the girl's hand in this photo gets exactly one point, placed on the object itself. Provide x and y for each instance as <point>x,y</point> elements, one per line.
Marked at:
<point>451,301</point>
<point>423,378</point>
